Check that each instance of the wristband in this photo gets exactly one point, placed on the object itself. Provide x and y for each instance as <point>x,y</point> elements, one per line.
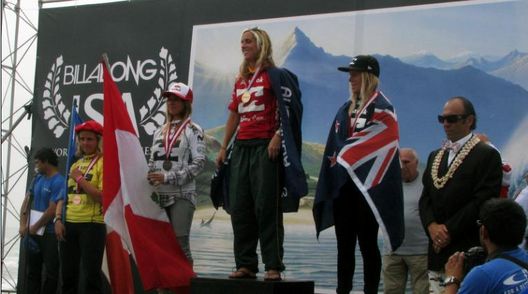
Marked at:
<point>222,147</point>
<point>451,280</point>
<point>77,179</point>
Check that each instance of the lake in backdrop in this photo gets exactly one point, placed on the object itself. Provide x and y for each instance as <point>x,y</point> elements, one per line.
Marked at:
<point>305,257</point>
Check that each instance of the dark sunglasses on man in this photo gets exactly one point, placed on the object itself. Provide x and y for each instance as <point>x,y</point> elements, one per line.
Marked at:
<point>453,118</point>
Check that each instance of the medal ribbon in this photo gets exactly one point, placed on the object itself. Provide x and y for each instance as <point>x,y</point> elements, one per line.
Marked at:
<point>169,141</point>
<point>88,169</point>
<point>358,114</point>
<point>252,80</point>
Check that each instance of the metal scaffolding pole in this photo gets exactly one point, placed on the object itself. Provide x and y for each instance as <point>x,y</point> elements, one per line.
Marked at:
<point>6,186</point>
<point>15,26</point>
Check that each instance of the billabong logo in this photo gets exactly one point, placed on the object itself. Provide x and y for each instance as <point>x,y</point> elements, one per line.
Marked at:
<point>151,114</point>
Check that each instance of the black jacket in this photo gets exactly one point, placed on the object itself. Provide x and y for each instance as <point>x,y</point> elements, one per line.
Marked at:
<point>457,204</point>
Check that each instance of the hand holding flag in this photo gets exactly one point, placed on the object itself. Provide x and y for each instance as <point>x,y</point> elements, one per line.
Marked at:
<point>141,225</point>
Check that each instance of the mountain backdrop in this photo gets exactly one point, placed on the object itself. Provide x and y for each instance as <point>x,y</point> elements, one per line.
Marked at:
<point>417,86</point>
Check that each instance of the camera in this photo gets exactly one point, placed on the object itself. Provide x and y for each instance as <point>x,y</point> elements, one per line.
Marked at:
<point>473,257</point>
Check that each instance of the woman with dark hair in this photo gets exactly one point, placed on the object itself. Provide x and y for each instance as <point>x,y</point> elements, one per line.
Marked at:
<point>82,232</point>
<point>258,111</point>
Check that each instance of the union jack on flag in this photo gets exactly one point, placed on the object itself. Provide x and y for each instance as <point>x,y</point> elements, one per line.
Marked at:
<point>379,142</point>
<point>370,158</point>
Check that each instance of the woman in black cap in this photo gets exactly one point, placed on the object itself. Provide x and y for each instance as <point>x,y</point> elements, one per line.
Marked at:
<point>342,198</point>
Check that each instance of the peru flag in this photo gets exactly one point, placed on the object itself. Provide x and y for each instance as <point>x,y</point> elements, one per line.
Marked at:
<point>135,223</point>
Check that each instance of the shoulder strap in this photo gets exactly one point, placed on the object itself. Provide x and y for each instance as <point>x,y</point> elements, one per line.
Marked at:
<point>514,260</point>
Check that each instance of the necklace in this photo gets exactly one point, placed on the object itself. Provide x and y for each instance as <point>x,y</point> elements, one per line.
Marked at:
<point>439,183</point>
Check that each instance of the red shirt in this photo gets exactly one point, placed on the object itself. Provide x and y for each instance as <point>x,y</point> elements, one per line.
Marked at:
<point>258,116</point>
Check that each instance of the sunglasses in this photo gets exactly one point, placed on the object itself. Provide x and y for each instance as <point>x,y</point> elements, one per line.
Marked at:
<point>451,118</point>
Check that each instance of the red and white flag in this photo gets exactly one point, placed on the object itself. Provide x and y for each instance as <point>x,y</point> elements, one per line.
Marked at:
<point>136,223</point>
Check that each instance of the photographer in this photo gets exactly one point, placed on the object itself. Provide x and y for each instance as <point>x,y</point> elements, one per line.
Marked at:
<point>502,224</point>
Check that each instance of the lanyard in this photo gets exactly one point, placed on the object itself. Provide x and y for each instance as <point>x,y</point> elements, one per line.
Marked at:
<point>252,80</point>
<point>358,114</point>
<point>169,141</point>
<point>88,169</point>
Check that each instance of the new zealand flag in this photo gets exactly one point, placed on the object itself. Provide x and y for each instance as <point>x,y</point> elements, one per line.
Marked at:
<point>370,158</point>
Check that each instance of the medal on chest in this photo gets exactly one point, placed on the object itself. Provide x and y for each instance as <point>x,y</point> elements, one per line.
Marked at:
<point>76,200</point>
<point>169,142</point>
<point>167,165</point>
<point>246,97</point>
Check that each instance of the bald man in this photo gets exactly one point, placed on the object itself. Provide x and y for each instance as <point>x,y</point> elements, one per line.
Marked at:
<point>411,257</point>
<point>458,179</point>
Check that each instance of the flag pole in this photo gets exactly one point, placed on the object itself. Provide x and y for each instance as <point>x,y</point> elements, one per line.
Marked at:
<point>118,256</point>
<point>105,62</point>
<point>74,119</point>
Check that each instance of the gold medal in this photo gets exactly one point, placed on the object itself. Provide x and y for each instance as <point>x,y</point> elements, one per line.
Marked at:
<point>246,96</point>
<point>76,199</point>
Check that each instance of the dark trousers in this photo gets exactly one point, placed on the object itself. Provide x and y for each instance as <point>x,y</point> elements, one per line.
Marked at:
<point>84,246</point>
<point>353,220</point>
<point>47,256</point>
<point>256,212</point>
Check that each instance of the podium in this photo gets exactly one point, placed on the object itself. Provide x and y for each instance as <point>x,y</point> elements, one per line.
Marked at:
<point>204,285</point>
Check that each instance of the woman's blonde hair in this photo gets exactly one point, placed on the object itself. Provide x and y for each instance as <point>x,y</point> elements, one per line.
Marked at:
<point>369,84</point>
<point>187,111</point>
<point>265,52</point>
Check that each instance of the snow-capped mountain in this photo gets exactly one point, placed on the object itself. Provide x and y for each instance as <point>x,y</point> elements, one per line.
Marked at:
<point>512,67</point>
<point>417,92</point>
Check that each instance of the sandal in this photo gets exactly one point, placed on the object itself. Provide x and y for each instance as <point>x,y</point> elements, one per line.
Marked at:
<point>272,275</point>
<point>242,273</point>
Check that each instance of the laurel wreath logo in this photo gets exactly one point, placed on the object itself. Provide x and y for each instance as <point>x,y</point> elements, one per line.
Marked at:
<point>55,112</point>
<point>152,114</point>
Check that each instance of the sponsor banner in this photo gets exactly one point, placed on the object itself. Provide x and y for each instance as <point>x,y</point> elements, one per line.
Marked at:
<point>145,57</point>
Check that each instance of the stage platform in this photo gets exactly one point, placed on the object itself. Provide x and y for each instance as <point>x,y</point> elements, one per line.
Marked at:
<point>204,285</point>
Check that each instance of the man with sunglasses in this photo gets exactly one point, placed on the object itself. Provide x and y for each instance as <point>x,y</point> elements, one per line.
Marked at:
<point>459,177</point>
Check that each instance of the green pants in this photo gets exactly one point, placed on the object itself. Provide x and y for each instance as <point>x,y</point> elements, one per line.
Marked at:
<point>256,213</point>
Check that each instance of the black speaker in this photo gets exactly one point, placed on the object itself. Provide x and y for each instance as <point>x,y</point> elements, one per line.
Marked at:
<point>202,285</point>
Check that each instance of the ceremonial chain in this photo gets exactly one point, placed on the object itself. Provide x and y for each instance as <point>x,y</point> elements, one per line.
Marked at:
<point>439,183</point>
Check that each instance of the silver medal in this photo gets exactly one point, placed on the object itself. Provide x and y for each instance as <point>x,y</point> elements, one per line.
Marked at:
<point>167,165</point>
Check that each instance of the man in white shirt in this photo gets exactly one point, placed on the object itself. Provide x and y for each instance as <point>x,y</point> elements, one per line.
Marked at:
<point>411,257</point>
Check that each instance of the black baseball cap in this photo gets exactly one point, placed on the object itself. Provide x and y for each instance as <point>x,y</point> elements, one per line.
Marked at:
<point>366,63</point>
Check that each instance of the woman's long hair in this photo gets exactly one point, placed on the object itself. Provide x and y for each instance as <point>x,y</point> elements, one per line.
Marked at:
<point>369,84</point>
<point>265,56</point>
<point>187,111</point>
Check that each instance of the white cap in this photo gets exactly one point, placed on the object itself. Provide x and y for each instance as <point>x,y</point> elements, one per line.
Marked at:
<point>181,90</point>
